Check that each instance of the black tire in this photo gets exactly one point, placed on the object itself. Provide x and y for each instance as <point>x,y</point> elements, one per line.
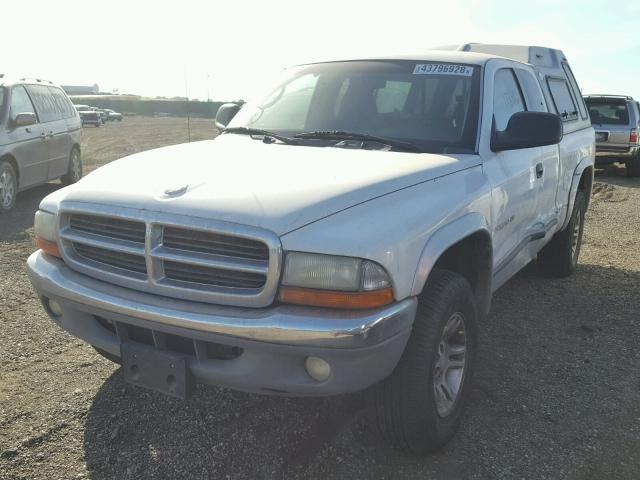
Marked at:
<point>404,406</point>
<point>633,166</point>
<point>8,186</point>
<point>74,171</point>
<point>108,356</point>
<point>559,258</point>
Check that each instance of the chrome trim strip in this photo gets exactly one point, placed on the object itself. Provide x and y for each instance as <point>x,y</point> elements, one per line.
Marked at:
<point>98,241</point>
<point>208,260</point>
<point>533,235</point>
<point>155,282</point>
<point>284,324</point>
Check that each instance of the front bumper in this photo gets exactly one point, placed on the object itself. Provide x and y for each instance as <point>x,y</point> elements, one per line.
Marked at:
<point>362,347</point>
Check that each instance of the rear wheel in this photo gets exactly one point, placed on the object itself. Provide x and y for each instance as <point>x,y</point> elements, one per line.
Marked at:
<point>74,172</point>
<point>8,186</point>
<point>560,257</point>
<point>633,166</point>
<point>420,406</point>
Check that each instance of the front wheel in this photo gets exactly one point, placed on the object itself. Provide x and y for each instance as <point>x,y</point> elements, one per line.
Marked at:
<point>74,171</point>
<point>419,407</point>
<point>559,257</point>
<point>8,186</point>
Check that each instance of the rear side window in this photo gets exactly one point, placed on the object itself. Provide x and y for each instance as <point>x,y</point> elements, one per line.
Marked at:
<point>608,111</point>
<point>562,98</point>
<point>20,102</point>
<point>507,98</point>
<point>43,100</point>
<point>62,103</point>
<point>532,91</point>
<point>576,90</point>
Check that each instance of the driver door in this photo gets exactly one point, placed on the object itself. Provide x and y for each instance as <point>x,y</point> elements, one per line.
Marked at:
<point>514,182</point>
<point>29,144</point>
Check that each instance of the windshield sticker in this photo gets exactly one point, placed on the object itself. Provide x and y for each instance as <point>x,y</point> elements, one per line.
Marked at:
<point>442,69</point>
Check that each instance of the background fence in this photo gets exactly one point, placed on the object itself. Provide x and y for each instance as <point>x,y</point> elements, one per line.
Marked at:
<point>138,106</point>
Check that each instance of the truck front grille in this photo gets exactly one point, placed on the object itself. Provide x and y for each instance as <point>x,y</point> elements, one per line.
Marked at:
<point>109,227</point>
<point>212,276</point>
<point>213,243</point>
<point>111,258</point>
<point>182,257</point>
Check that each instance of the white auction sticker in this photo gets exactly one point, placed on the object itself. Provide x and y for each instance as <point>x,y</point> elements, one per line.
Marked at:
<point>442,69</point>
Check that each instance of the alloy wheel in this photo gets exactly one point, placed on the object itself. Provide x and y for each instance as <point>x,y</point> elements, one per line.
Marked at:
<point>449,368</point>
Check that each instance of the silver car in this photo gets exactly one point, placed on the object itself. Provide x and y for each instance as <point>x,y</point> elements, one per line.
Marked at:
<point>40,134</point>
<point>616,120</point>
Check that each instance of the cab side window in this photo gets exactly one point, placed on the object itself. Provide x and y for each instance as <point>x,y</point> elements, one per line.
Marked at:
<point>532,91</point>
<point>507,98</point>
<point>20,102</point>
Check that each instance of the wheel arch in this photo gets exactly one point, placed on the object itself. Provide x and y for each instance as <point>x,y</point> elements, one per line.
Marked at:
<point>14,163</point>
<point>465,247</point>
<point>582,180</point>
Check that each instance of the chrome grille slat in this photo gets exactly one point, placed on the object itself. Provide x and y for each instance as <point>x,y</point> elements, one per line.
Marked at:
<point>100,241</point>
<point>213,243</point>
<point>212,276</point>
<point>212,261</point>
<point>178,256</point>
<point>110,227</point>
<point>124,261</point>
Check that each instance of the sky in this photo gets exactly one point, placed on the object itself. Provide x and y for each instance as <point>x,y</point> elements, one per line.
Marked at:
<point>233,49</point>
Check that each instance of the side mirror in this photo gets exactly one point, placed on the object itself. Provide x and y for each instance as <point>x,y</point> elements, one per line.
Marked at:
<point>24,119</point>
<point>225,114</point>
<point>528,130</point>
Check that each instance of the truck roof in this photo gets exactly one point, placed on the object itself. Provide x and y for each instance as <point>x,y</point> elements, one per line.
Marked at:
<point>438,55</point>
<point>539,56</point>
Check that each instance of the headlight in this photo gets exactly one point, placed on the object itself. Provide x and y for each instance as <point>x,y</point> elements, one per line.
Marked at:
<point>45,229</point>
<point>333,281</point>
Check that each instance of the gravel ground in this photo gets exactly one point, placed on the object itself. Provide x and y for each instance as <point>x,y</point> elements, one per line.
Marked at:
<point>555,395</point>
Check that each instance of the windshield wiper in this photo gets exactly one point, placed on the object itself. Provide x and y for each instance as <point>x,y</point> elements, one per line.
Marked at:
<point>264,133</point>
<point>342,135</point>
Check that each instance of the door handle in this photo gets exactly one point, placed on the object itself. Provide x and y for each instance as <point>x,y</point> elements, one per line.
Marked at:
<point>539,170</point>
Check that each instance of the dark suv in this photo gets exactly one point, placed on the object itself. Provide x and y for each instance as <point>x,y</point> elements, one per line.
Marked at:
<point>39,137</point>
<point>616,120</point>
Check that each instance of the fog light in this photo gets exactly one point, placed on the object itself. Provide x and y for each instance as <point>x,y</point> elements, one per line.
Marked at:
<point>317,368</point>
<point>55,308</point>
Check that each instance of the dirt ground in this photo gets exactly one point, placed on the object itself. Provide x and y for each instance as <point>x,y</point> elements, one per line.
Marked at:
<point>556,395</point>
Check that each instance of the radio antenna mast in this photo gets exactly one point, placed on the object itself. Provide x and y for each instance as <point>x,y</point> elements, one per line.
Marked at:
<point>186,92</point>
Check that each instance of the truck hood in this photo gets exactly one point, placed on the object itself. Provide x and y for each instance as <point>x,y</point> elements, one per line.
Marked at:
<point>239,179</point>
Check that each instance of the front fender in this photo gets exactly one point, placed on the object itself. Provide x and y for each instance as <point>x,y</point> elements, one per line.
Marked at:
<point>445,237</point>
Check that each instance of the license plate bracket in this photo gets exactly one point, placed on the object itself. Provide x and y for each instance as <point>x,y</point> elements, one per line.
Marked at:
<point>164,372</point>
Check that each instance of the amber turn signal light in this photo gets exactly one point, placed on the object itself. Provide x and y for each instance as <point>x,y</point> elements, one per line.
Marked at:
<point>48,247</point>
<point>332,299</point>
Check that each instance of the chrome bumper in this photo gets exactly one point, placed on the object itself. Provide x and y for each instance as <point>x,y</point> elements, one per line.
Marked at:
<point>286,325</point>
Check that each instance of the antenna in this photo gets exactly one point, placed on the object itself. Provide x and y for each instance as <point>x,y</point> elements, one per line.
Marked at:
<point>186,91</point>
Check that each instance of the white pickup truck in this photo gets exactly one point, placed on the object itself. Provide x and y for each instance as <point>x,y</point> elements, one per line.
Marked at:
<point>346,232</point>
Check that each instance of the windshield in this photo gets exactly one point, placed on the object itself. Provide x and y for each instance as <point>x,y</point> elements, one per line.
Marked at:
<point>612,112</point>
<point>432,105</point>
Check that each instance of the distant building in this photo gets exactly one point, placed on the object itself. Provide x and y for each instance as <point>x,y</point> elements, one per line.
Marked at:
<point>81,89</point>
